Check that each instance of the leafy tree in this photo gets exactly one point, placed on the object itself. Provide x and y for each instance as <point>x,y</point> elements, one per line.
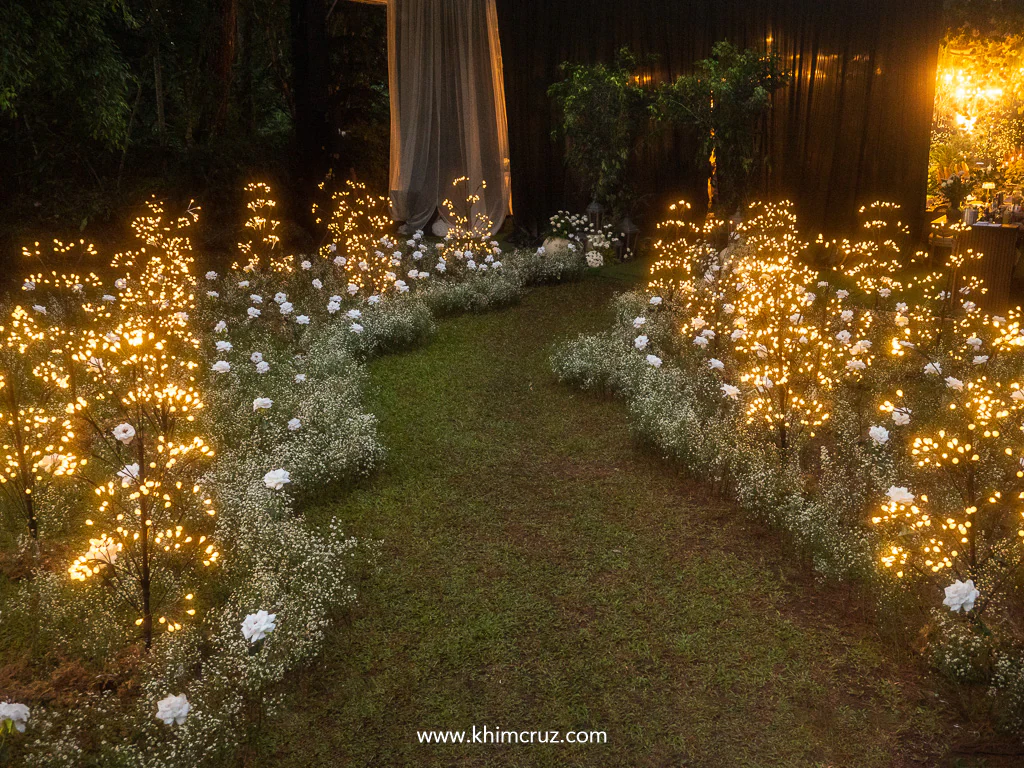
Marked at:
<point>603,109</point>
<point>726,100</point>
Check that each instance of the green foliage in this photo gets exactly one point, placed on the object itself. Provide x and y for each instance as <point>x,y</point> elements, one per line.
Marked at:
<point>726,100</point>
<point>62,53</point>
<point>602,111</point>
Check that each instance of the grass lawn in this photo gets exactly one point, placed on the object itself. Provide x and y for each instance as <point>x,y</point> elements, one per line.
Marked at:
<point>542,571</point>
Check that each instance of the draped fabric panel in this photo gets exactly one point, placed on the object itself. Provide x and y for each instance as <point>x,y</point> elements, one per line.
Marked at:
<point>853,127</point>
<point>447,109</point>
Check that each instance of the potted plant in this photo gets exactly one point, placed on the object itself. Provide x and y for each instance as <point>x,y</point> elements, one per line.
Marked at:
<point>955,190</point>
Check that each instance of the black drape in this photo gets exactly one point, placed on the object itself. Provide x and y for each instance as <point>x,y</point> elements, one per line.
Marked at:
<point>853,127</point>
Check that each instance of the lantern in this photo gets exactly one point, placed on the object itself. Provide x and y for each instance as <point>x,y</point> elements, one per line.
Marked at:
<point>595,212</point>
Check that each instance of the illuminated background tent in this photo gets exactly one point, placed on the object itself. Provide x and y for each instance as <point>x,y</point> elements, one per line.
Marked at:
<point>853,127</point>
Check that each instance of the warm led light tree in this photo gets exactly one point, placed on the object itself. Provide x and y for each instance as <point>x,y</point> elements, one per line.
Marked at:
<point>154,519</point>
<point>262,249</point>
<point>358,227</point>
<point>37,439</point>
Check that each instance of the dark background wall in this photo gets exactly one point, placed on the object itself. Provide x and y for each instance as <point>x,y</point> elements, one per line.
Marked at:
<point>853,126</point>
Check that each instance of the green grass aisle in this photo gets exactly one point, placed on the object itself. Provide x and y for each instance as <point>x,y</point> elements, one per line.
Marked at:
<point>541,571</point>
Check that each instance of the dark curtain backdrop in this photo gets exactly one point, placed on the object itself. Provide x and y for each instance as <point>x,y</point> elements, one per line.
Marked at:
<point>853,126</point>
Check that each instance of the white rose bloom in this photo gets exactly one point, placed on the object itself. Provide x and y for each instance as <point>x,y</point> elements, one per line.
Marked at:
<point>933,369</point>
<point>255,298</point>
<point>728,308</point>
<point>356,328</point>
<point>262,404</point>
<point>701,341</point>
<point>286,308</point>
<point>256,357</point>
<point>120,283</point>
<point>954,383</point>
<point>124,433</point>
<point>300,378</point>
<point>253,312</point>
<point>353,314</point>
<point>211,275</point>
<point>902,321</point>
<point>294,425</point>
<point>243,283</point>
<point>340,261</point>
<point>276,479</point>
<point>317,284</point>
<point>173,710</point>
<point>844,336</point>
<point>846,315</point>
<point>716,365</point>
<point>655,301</point>
<point>128,474</point>
<point>730,391</point>
<point>442,265</point>
<point>654,360</point>
<point>900,495</point>
<point>258,625</point>
<point>970,306</point>
<point>39,308</point>
<point>108,297</point>
<point>28,285</point>
<point>901,416</point>
<point>306,265</point>
<point>224,346</point>
<point>280,298</point>
<point>221,366</point>
<point>640,342</point>
<point>17,714</point>
<point>103,551</point>
<point>960,596</point>
<point>262,366</point>
<point>213,294</point>
<point>884,292</point>
<point>302,319</point>
<point>333,307</point>
<point>50,462</point>
<point>841,294</point>
<point>855,365</point>
<point>879,434</point>
<point>980,359</point>
<point>1017,395</point>
<point>220,327</point>
<point>352,289</point>
<point>401,286</point>
<point>375,299</point>
<point>639,322</point>
<point>975,342</point>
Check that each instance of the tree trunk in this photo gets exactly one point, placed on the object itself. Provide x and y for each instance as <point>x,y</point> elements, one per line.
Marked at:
<point>225,61</point>
<point>311,78</point>
<point>158,86</point>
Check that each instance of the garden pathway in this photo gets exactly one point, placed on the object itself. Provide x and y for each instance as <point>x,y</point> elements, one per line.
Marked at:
<point>540,570</point>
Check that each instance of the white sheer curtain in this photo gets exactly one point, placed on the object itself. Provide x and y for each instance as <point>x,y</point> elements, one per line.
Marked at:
<point>447,108</point>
